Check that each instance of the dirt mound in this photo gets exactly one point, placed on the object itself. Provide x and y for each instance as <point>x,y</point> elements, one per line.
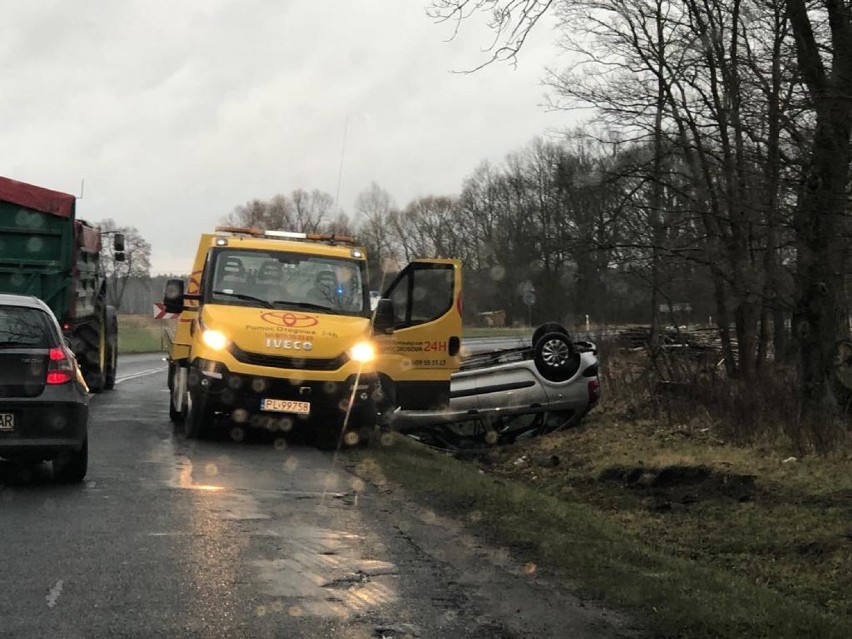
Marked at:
<point>683,485</point>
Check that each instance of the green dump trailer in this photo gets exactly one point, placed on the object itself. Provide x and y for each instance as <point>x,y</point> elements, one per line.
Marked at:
<point>45,251</point>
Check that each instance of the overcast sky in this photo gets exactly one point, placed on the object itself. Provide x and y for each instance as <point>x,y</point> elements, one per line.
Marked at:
<point>176,111</point>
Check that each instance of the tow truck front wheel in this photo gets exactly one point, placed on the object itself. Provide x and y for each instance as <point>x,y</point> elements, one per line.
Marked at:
<point>329,430</point>
<point>198,416</point>
<point>175,415</point>
<point>177,390</point>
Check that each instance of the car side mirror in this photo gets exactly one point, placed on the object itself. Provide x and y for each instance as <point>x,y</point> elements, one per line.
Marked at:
<point>383,320</point>
<point>173,297</point>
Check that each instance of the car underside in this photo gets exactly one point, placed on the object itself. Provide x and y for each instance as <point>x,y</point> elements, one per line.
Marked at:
<point>502,396</point>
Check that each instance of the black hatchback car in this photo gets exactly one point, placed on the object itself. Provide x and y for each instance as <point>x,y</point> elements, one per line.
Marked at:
<point>44,402</point>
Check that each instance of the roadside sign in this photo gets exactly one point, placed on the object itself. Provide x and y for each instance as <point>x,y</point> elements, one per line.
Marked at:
<point>160,312</point>
<point>529,298</point>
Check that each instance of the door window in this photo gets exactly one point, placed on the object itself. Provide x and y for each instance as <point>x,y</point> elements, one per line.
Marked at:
<point>422,293</point>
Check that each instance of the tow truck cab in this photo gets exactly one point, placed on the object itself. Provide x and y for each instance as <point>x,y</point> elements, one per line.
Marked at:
<point>276,330</point>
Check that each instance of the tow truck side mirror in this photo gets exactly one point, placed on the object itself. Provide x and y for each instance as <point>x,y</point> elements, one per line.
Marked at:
<point>383,320</point>
<point>173,297</point>
<point>118,247</point>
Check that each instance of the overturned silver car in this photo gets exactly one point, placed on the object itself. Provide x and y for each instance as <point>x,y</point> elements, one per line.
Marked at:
<point>501,396</point>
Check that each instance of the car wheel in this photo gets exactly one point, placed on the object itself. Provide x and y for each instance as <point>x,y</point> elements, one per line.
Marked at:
<point>555,357</point>
<point>195,424</point>
<point>71,467</point>
<point>548,327</point>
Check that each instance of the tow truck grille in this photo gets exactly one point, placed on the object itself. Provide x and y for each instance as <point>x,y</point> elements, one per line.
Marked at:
<point>276,361</point>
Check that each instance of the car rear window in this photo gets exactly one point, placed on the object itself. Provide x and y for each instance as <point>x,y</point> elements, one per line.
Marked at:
<point>22,327</point>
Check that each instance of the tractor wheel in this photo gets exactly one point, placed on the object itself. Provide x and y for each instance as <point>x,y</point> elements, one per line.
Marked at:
<point>112,347</point>
<point>93,359</point>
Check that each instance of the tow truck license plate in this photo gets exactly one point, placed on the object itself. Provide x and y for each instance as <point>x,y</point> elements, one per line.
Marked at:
<point>7,421</point>
<point>285,406</point>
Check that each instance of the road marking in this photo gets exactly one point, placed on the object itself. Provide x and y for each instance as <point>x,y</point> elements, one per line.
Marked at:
<point>139,374</point>
<point>53,594</point>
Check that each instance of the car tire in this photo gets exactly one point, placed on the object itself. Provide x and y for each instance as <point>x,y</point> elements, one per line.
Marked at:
<point>555,357</point>
<point>548,327</point>
<point>71,468</point>
<point>195,423</point>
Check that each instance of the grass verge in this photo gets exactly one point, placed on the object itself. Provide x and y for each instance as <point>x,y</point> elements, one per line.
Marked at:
<point>717,568</point>
<point>523,332</point>
<point>141,334</point>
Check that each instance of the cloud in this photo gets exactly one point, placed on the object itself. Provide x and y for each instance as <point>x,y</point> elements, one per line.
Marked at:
<point>174,113</point>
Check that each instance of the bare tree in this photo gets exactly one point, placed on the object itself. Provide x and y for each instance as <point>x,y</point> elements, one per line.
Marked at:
<point>301,211</point>
<point>375,209</point>
<point>340,225</point>
<point>311,210</point>
<point>136,264</point>
<point>251,214</point>
<point>511,22</point>
<point>825,61</point>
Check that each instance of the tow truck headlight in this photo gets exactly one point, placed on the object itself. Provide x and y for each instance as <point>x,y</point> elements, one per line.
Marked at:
<point>214,339</point>
<point>363,352</point>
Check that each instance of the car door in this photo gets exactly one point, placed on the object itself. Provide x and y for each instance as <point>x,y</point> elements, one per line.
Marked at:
<point>423,350</point>
<point>183,335</point>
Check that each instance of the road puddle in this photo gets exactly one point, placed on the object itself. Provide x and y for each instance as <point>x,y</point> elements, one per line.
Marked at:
<point>230,504</point>
<point>322,575</point>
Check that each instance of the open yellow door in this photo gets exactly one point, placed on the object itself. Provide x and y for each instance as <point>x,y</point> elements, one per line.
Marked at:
<point>423,350</point>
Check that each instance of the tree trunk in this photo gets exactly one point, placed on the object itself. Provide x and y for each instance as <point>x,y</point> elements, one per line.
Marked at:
<point>816,319</point>
<point>818,221</point>
<point>723,321</point>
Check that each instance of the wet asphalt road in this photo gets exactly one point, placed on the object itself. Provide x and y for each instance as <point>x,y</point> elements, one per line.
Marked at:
<point>169,538</point>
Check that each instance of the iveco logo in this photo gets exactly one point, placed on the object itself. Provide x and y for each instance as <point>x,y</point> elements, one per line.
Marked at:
<point>292,320</point>
<point>295,345</point>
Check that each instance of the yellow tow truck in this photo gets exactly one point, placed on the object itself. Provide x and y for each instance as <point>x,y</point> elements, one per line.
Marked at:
<point>276,331</point>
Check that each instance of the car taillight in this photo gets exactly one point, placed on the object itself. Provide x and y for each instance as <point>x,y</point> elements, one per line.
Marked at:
<point>594,390</point>
<point>60,369</point>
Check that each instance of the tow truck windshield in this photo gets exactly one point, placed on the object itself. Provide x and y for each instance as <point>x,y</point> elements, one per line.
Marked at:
<point>282,279</point>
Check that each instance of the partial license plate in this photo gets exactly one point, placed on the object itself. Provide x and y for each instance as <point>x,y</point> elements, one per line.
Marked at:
<point>7,421</point>
<point>285,406</point>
